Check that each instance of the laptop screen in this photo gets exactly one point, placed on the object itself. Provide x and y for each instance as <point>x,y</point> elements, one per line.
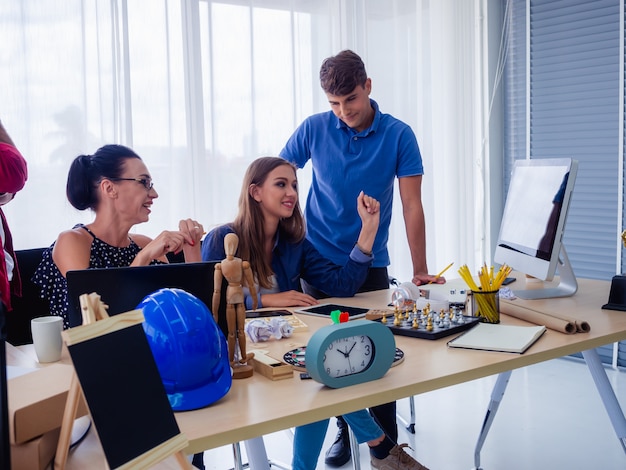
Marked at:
<point>122,289</point>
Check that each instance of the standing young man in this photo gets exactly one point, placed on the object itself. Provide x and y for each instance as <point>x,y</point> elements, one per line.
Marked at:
<point>355,147</point>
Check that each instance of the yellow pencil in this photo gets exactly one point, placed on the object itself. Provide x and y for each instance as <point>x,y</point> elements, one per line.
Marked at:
<point>443,271</point>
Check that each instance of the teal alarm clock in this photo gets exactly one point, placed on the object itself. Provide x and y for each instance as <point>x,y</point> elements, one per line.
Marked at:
<point>350,353</point>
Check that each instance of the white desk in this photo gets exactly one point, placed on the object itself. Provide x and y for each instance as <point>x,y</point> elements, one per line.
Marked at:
<point>249,410</point>
<point>259,406</point>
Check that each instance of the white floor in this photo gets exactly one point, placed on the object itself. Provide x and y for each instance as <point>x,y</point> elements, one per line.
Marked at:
<point>551,418</point>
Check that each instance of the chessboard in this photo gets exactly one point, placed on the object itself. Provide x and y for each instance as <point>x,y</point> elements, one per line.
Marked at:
<point>426,324</point>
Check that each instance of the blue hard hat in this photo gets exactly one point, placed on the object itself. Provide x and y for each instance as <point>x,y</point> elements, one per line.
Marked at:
<point>189,348</point>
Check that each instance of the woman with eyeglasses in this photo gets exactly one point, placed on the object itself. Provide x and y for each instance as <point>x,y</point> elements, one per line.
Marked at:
<point>116,185</point>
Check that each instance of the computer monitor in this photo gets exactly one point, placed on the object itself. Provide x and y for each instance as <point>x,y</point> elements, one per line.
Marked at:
<point>531,233</point>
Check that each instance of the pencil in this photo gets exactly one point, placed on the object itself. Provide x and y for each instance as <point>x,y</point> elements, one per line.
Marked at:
<point>443,271</point>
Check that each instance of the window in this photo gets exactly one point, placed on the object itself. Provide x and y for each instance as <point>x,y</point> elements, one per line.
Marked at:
<point>200,88</point>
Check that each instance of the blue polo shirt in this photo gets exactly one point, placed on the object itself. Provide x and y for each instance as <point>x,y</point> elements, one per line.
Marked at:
<point>344,163</point>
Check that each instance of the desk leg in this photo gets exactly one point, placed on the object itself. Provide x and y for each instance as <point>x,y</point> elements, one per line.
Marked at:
<point>354,448</point>
<point>616,415</point>
<point>496,397</point>
<point>257,456</point>
<point>237,456</point>
<point>410,426</point>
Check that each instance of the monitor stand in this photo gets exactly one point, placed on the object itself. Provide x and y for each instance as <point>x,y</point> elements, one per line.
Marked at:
<point>567,282</point>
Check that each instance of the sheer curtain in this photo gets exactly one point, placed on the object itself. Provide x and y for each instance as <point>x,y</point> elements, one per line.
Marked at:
<point>200,88</point>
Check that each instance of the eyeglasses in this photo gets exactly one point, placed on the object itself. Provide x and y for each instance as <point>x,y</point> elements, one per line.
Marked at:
<point>145,182</point>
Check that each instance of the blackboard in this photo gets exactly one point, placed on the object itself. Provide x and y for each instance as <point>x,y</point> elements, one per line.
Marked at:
<point>122,387</point>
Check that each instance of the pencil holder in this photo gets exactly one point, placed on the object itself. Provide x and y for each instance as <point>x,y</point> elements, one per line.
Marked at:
<point>486,305</point>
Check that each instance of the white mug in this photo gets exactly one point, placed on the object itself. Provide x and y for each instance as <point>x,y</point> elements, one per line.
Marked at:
<point>47,337</point>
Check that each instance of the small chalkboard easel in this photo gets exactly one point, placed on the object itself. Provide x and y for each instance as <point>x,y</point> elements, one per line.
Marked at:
<point>122,387</point>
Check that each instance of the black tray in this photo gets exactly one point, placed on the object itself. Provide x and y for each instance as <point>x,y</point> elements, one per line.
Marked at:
<point>438,332</point>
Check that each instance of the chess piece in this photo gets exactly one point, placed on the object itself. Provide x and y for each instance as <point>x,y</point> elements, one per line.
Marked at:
<point>238,274</point>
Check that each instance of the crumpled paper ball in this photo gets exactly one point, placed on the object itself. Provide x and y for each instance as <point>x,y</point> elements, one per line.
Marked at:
<point>261,330</point>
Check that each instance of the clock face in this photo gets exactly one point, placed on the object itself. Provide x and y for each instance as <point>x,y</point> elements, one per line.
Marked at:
<point>348,355</point>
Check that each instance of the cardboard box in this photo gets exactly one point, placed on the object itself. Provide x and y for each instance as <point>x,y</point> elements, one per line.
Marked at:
<point>37,401</point>
<point>35,454</point>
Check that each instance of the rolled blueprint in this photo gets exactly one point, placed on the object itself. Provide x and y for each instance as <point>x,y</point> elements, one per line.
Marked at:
<point>553,321</point>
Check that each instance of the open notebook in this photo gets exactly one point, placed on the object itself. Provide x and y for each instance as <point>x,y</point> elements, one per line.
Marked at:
<point>495,337</point>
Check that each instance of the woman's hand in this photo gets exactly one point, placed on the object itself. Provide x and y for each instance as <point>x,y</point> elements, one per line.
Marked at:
<point>368,208</point>
<point>164,243</point>
<point>369,211</point>
<point>193,231</point>
<point>186,239</point>
<point>291,298</point>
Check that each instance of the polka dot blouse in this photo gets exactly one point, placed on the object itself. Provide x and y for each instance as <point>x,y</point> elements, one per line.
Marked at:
<point>54,286</point>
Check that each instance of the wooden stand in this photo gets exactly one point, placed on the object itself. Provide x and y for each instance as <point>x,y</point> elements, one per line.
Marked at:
<point>242,371</point>
<point>164,441</point>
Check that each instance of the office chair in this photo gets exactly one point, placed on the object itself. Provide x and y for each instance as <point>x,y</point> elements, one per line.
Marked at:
<point>29,305</point>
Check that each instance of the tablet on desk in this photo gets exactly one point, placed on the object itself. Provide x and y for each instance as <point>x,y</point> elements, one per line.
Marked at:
<point>323,310</point>
<point>267,313</point>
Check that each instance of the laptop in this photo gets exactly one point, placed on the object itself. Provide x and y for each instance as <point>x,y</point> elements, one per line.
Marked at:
<point>122,289</point>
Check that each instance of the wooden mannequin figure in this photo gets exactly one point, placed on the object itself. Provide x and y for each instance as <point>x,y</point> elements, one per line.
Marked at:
<point>238,274</point>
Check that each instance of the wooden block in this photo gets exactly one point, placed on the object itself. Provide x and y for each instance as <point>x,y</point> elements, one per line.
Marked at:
<point>378,314</point>
<point>270,367</point>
